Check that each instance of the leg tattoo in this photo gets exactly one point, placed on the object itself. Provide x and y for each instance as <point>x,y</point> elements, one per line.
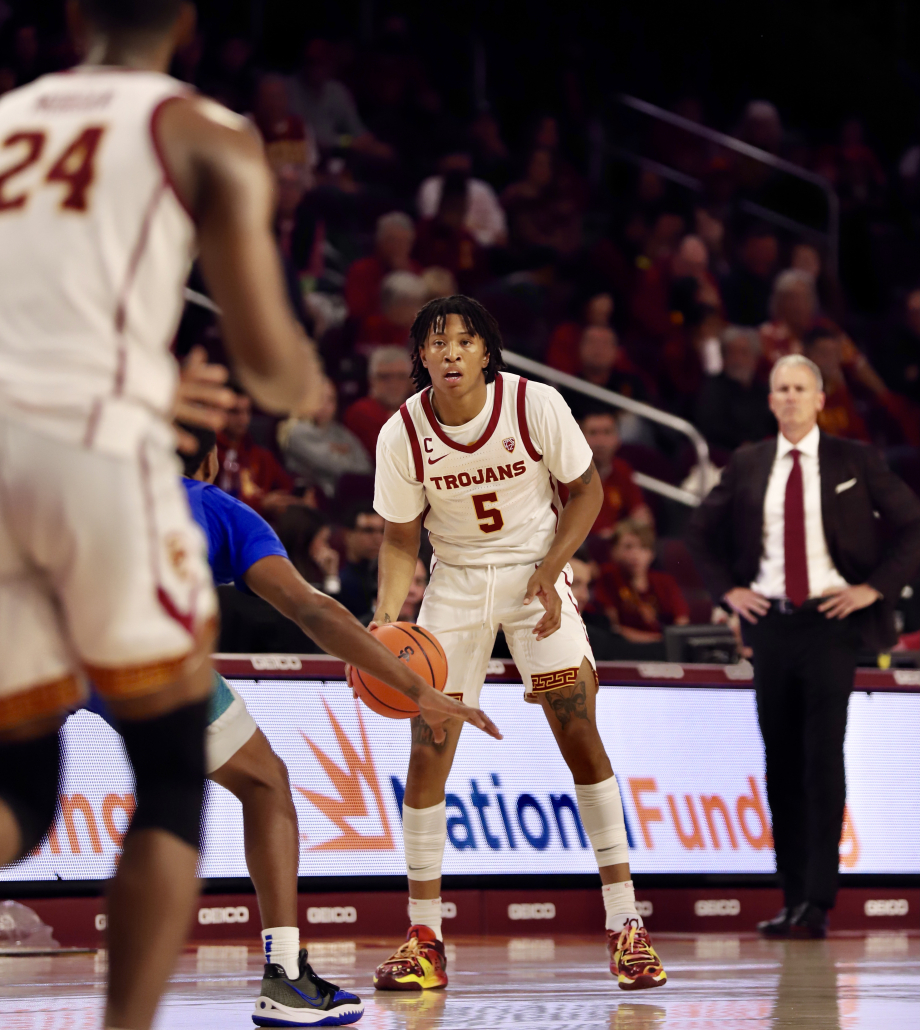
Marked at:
<point>422,734</point>
<point>569,703</point>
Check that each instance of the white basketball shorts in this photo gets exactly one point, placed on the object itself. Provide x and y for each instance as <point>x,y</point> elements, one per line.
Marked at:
<point>103,571</point>
<point>465,607</point>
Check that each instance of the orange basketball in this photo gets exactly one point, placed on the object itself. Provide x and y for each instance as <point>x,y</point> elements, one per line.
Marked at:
<point>420,650</point>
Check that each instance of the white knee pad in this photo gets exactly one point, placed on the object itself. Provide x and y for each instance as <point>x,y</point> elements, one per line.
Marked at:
<point>424,837</point>
<point>601,813</point>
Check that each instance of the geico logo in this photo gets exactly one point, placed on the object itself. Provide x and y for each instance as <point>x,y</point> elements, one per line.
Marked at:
<point>448,910</point>
<point>276,662</point>
<point>717,907</point>
<point>886,907</point>
<point>336,914</point>
<point>101,921</point>
<point>215,916</point>
<point>645,908</point>
<point>546,910</point>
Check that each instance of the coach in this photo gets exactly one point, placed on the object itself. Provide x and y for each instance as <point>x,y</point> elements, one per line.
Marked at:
<point>810,539</point>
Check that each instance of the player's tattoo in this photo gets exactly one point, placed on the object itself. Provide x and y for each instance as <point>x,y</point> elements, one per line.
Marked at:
<point>386,617</point>
<point>569,703</point>
<point>588,474</point>
<point>423,734</point>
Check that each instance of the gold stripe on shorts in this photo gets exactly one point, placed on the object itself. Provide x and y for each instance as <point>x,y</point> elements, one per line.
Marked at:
<point>38,701</point>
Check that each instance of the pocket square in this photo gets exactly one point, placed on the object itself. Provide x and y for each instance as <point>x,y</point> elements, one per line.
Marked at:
<point>840,487</point>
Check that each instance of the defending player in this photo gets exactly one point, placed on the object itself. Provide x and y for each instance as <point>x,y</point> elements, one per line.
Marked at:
<point>476,457</point>
<point>243,549</point>
<point>108,181</point>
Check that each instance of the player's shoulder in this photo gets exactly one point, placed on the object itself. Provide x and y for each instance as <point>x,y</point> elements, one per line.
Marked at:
<point>395,433</point>
<point>541,396</point>
<point>213,499</point>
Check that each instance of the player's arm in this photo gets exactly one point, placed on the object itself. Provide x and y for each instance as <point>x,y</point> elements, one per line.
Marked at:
<point>396,567</point>
<point>339,633</point>
<point>578,516</point>
<point>219,172</point>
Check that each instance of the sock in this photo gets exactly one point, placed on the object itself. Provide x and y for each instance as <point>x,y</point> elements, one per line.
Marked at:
<point>426,912</point>
<point>601,812</point>
<point>620,905</point>
<point>282,945</point>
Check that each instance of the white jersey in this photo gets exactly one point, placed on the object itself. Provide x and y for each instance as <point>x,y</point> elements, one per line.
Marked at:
<point>95,248</point>
<point>489,488</point>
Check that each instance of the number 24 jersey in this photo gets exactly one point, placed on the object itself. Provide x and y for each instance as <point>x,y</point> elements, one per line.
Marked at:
<point>488,489</point>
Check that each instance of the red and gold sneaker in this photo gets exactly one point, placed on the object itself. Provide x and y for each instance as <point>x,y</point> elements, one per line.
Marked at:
<point>633,960</point>
<point>417,965</point>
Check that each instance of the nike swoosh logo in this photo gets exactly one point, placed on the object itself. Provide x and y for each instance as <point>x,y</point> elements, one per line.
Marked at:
<point>434,461</point>
<point>314,1002</point>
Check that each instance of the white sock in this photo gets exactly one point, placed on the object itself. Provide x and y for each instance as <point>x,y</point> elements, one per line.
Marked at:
<point>620,904</point>
<point>282,945</point>
<point>426,912</point>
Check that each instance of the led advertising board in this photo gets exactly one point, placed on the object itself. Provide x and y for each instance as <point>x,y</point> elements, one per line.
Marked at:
<point>689,763</point>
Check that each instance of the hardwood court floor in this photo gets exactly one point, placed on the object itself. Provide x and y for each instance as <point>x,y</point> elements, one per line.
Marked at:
<point>845,983</point>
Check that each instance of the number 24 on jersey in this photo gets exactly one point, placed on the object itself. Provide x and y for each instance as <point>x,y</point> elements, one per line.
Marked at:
<point>73,168</point>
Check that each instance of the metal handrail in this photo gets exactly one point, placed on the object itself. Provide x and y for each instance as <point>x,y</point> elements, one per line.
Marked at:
<point>763,156</point>
<point>617,400</point>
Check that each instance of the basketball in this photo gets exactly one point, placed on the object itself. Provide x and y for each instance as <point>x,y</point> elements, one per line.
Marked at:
<point>420,650</point>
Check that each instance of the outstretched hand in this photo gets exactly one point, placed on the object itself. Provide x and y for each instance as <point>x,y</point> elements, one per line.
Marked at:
<point>202,399</point>
<point>436,708</point>
<point>542,586</point>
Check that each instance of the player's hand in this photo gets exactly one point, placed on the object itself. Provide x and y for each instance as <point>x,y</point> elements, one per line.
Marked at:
<point>842,603</point>
<point>542,585</point>
<point>437,708</point>
<point>202,399</point>
<point>747,603</point>
<point>348,668</point>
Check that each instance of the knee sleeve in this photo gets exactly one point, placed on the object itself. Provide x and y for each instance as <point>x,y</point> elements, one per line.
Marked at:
<point>30,772</point>
<point>167,754</point>
<point>601,811</point>
<point>424,837</point>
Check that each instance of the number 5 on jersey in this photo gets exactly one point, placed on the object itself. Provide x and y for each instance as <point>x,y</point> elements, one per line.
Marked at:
<point>73,167</point>
<point>490,519</point>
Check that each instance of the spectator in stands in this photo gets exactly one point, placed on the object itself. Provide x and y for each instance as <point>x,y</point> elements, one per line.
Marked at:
<point>491,158</point>
<point>390,383</point>
<point>363,537</point>
<point>603,363</point>
<point>732,407</point>
<point>393,243</point>
<point>319,449</point>
<point>401,295</point>
<point>327,106</point>
<point>306,534</point>
<point>413,602</point>
<point>638,601</point>
<point>747,287</point>
<point>545,209</point>
<point>444,240</point>
<point>439,282</point>
<point>900,359</point>
<point>622,497</point>
<point>562,351</point>
<point>287,141</point>
<point>249,471</point>
<point>484,217</point>
<point>839,416</point>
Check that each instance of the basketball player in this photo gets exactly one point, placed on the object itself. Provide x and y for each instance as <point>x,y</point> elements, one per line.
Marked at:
<point>109,175</point>
<point>476,456</point>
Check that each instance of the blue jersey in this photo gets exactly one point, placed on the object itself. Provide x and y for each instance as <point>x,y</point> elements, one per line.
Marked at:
<point>237,536</point>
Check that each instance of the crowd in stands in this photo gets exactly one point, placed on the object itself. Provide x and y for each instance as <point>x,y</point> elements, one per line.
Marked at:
<point>677,298</point>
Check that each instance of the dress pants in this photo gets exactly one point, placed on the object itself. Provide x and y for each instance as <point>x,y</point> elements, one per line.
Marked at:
<point>803,674</point>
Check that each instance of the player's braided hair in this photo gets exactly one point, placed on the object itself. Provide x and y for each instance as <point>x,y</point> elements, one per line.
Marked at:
<point>131,15</point>
<point>476,320</point>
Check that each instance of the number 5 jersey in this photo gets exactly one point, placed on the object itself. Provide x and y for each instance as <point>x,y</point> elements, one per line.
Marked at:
<point>97,248</point>
<point>488,489</point>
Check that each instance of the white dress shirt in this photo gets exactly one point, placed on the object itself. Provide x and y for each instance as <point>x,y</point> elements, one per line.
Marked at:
<point>822,575</point>
<point>485,217</point>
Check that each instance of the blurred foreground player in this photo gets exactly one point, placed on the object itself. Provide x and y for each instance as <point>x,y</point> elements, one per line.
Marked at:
<point>108,181</point>
<point>475,457</point>
<point>243,549</point>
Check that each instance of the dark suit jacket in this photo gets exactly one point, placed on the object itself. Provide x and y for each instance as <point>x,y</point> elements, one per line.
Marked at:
<point>872,528</point>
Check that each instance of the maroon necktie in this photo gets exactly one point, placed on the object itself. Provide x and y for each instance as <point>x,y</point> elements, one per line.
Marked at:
<point>794,535</point>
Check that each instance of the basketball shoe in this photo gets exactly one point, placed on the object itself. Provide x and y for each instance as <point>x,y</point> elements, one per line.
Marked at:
<point>418,964</point>
<point>306,1001</point>
<point>633,960</point>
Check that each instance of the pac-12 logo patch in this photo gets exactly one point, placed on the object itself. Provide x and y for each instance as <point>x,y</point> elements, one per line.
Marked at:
<point>508,443</point>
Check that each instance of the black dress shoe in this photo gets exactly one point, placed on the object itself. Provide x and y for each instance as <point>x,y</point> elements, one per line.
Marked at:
<point>809,922</point>
<point>778,926</point>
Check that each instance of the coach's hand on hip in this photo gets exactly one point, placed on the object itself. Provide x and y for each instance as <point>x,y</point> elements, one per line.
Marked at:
<point>841,603</point>
<point>542,585</point>
<point>747,603</point>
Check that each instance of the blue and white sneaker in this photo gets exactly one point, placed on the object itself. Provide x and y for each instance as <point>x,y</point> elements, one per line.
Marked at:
<point>306,1001</point>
